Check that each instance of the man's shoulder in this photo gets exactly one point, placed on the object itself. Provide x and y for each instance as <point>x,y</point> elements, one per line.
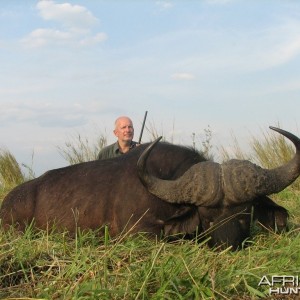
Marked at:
<point>108,151</point>
<point>113,146</point>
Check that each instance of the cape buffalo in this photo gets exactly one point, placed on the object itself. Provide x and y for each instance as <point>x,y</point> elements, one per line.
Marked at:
<point>172,191</point>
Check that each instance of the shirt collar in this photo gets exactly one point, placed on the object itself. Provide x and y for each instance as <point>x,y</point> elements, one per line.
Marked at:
<point>117,148</point>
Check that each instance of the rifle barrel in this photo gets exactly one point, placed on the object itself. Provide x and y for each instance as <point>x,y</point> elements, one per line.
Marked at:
<point>141,134</point>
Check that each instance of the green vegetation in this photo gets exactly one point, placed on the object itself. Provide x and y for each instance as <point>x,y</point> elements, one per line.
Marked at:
<point>10,171</point>
<point>49,265</point>
<point>11,174</point>
<point>79,149</point>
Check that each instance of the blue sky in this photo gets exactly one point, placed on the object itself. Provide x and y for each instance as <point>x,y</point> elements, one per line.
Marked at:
<point>72,67</point>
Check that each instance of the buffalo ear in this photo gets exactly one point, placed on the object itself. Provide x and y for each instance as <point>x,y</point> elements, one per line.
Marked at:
<point>270,215</point>
<point>185,221</point>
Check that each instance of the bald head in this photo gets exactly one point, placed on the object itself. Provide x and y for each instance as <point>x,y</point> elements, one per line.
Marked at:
<point>123,120</point>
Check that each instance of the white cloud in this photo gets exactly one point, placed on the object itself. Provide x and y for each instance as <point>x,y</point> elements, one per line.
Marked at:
<point>164,5</point>
<point>74,25</point>
<point>183,76</point>
<point>43,36</point>
<point>274,47</point>
<point>241,51</point>
<point>284,52</point>
<point>72,16</point>
<point>98,38</point>
<point>219,1</point>
<point>48,114</point>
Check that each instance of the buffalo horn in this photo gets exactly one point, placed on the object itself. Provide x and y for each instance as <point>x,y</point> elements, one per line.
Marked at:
<point>212,184</point>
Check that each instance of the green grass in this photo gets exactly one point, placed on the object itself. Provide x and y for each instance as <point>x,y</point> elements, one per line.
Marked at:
<point>10,171</point>
<point>44,265</point>
<point>49,265</point>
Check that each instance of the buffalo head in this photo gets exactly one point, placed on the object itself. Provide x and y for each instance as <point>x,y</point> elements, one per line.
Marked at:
<point>211,184</point>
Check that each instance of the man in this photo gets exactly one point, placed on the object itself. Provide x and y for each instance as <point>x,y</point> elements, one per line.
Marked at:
<point>124,131</point>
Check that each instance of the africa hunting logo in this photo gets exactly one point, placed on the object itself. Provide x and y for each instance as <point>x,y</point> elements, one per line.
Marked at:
<point>281,284</point>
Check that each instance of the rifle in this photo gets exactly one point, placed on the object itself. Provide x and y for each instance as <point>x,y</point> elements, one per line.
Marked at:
<point>141,134</point>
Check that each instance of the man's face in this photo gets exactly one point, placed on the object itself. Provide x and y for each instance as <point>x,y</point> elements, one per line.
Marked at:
<point>124,130</point>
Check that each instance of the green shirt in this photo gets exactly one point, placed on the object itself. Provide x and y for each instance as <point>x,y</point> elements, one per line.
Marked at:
<point>113,150</point>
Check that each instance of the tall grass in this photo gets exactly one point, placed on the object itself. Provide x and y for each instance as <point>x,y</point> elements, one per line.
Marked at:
<point>269,152</point>
<point>79,149</point>
<point>236,151</point>
<point>273,150</point>
<point>10,170</point>
<point>50,265</point>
